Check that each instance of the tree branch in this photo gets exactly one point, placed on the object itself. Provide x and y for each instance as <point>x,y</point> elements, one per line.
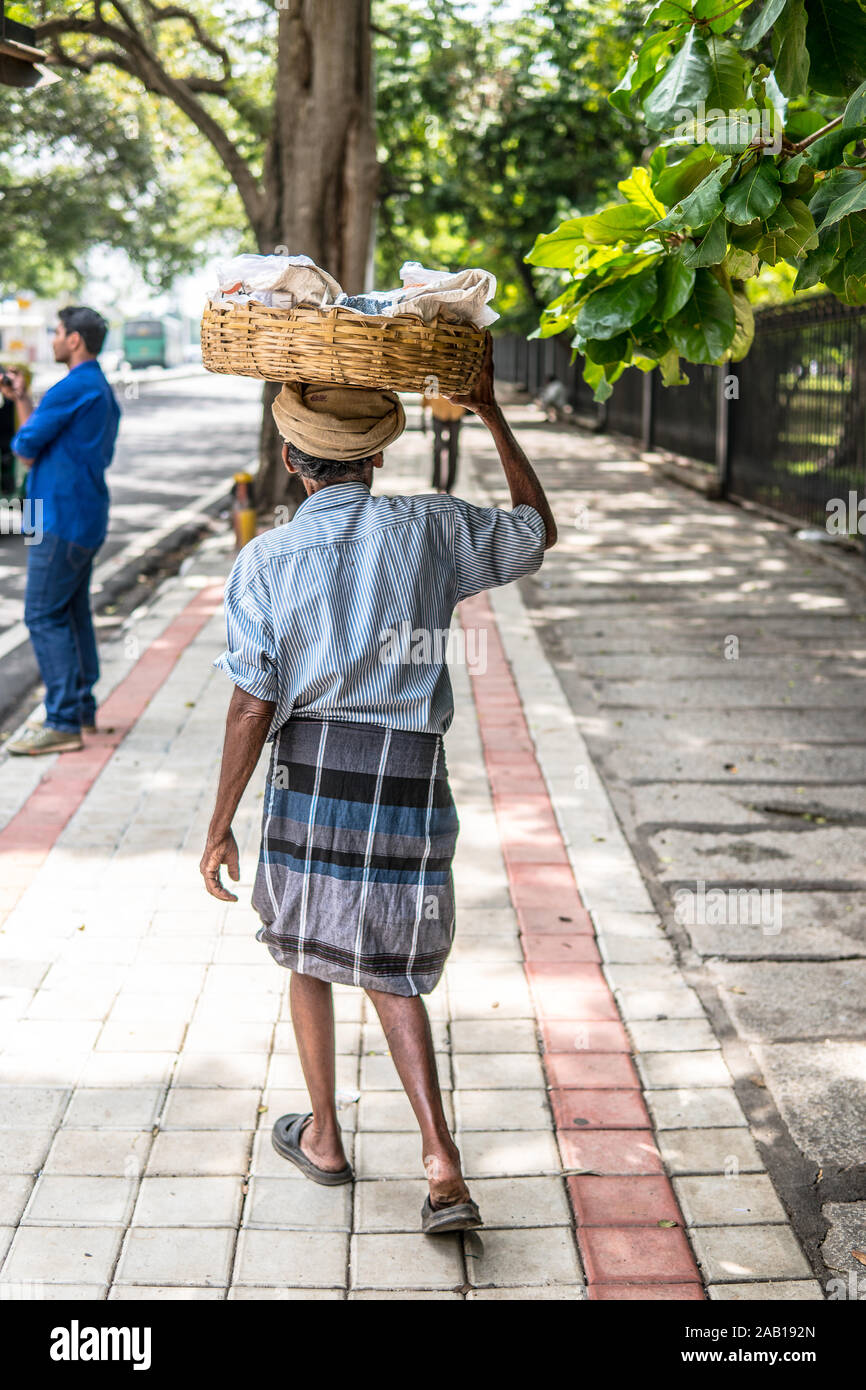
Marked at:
<point>132,55</point>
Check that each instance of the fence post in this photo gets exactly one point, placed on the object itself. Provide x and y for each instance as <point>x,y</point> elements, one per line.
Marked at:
<point>723,449</point>
<point>646,411</point>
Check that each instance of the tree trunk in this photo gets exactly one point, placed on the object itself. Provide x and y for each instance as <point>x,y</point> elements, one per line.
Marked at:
<point>320,172</point>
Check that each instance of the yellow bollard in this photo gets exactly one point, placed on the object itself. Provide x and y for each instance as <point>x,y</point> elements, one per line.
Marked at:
<point>243,511</point>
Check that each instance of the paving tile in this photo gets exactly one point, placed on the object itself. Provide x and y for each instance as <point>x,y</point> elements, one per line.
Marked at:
<point>566,917</point>
<point>188,1201</point>
<point>395,1261</point>
<point>31,1107</point>
<point>560,1293</point>
<point>297,1259</point>
<point>519,1109</point>
<point>278,1102</point>
<point>81,1201</point>
<point>14,1191</point>
<point>192,1108</point>
<point>381,1155</point>
<point>584,1035</point>
<point>647,1293</point>
<point>165,1293</point>
<point>171,1255</point>
<point>478,1071</point>
<point>623,1201</point>
<point>674,1069</point>
<point>729,1201</point>
<point>99,1153</point>
<point>200,1153</point>
<point>104,1108</point>
<point>782,1291</point>
<point>393,1205</point>
<point>62,1254</point>
<point>494,1036</point>
<point>390,1111</point>
<point>738,1253</point>
<point>508,1153</point>
<point>276,1202</point>
<point>240,1071</point>
<point>113,1069</point>
<point>673,1035</point>
<point>571,992</point>
<point>584,1070</point>
<point>614,1254</point>
<point>686,1107</point>
<point>250,1294</point>
<point>678,1002</point>
<point>598,1109</point>
<point>499,1258</point>
<point>23,1150</point>
<point>153,1036</point>
<point>709,1151</point>
<point>403,1295</point>
<point>610,1152</point>
<point>559,946</point>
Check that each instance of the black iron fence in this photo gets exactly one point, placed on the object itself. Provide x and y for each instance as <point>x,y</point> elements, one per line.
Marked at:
<point>785,428</point>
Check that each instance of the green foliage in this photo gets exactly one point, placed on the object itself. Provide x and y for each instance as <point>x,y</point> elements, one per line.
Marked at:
<point>756,187</point>
<point>488,132</point>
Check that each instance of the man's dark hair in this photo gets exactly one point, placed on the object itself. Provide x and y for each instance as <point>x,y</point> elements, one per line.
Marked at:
<point>76,318</point>
<point>326,470</point>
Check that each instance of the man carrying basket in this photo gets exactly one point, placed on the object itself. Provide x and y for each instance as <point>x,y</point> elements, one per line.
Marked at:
<point>354,878</point>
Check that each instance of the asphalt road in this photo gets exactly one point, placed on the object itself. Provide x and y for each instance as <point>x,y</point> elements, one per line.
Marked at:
<point>178,438</point>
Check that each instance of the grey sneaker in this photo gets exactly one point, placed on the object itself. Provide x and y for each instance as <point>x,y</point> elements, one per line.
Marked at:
<point>34,741</point>
<point>37,721</point>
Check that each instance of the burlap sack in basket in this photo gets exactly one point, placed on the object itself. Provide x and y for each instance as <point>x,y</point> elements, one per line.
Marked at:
<point>336,345</point>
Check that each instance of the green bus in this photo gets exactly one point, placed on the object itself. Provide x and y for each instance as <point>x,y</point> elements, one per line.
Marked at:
<point>152,342</point>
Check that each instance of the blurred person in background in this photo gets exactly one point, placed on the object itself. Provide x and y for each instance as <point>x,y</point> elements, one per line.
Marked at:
<point>446,439</point>
<point>66,443</point>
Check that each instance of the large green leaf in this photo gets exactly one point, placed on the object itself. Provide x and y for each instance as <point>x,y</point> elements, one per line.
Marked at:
<point>605,350</point>
<point>701,206</point>
<point>712,246</point>
<point>621,222</point>
<point>685,80</point>
<point>852,201</point>
<point>855,111</point>
<point>826,153</point>
<point>789,46</point>
<point>740,264</point>
<point>727,90</point>
<point>704,328</point>
<point>753,195</point>
<point>836,40</point>
<point>763,22</point>
<point>637,189</point>
<point>677,181</point>
<point>641,70</point>
<point>557,249</point>
<point>745,330</point>
<point>789,238</point>
<point>676,281</point>
<point>672,373</point>
<point>608,311</point>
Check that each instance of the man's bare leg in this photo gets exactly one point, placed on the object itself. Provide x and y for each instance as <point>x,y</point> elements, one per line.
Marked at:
<point>312,1008</point>
<point>407,1030</point>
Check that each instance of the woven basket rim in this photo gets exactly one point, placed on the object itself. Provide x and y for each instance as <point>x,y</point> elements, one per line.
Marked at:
<point>315,311</point>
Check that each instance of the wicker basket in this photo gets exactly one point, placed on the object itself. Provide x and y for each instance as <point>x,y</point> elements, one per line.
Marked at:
<point>337,345</point>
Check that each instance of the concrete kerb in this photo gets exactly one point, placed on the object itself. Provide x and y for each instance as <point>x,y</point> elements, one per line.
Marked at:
<point>611,885</point>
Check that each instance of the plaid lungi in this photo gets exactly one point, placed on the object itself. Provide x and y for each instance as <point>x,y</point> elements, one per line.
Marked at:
<point>354,878</point>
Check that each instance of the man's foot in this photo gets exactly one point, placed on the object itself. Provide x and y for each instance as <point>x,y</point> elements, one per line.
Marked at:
<point>44,740</point>
<point>325,1151</point>
<point>445,1179</point>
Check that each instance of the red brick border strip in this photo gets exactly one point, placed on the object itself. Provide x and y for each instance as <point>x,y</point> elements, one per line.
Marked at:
<point>622,1201</point>
<point>35,828</point>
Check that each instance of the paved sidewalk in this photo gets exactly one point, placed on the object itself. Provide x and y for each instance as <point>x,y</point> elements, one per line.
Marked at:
<point>147,1047</point>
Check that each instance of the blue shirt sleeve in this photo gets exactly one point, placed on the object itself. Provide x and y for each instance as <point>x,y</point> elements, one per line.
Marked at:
<point>493,546</point>
<point>250,657</point>
<point>52,414</point>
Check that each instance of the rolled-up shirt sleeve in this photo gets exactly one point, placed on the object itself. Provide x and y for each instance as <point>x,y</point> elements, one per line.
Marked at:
<point>52,414</point>
<point>493,546</point>
<point>250,657</point>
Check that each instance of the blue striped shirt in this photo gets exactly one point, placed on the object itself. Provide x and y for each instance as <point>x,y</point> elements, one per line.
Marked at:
<point>344,611</point>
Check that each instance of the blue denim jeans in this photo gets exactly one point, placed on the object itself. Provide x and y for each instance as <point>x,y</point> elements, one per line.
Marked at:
<point>57,614</point>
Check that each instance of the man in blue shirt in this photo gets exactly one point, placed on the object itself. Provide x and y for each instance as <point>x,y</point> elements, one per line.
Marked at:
<point>67,442</point>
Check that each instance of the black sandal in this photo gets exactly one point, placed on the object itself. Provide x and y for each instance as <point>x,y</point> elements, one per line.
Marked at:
<point>463,1216</point>
<point>286,1139</point>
